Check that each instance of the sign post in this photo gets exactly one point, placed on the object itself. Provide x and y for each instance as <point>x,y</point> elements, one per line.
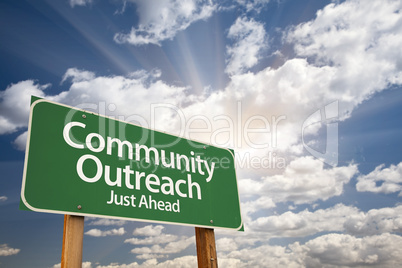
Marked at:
<point>73,234</point>
<point>83,164</point>
<point>206,249</point>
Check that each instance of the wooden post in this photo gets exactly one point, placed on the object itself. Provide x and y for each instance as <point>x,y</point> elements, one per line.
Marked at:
<point>206,249</point>
<point>73,235</point>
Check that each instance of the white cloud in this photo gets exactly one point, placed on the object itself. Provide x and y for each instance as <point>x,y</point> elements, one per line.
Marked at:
<point>226,244</point>
<point>292,92</point>
<point>305,180</point>
<point>381,180</point>
<point>249,40</point>
<point>263,202</point>
<point>105,222</point>
<point>304,223</point>
<point>158,239</point>
<point>345,250</point>
<point>3,198</point>
<point>275,102</point>
<point>5,250</point>
<point>328,251</point>
<point>253,5</point>
<point>85,264</point>
<point>163,20</point>
<point>375,221</point>
<point>77,75</point>
<point>340,218</point>
<point>182,262</point>
<point>14,104</point>
<point>169,248</point>
<point>155,237</point>
<point>331,250</point>
<point>113,96</point>
<point>263,256</point>
<point>151,256</point>
<point>21,141</point>
<point>359,41</point>
<point>100,233</point>
<point>119,91</point>
<point>74,3</point>
<point>149,230</point>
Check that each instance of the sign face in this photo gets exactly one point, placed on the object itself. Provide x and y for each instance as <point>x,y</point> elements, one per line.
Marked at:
<point>81,163</point>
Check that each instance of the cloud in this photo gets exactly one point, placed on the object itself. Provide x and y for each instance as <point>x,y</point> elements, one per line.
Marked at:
<point>159,239</point>
<point>330,250</point>
<point>381,180</point>
<point>262,256</point>
<point>105,222</point>
<point>253,5</point>
<point>303,181</point>
<point>111,96</point>
<point>5,250</point>
<point>3,198</point>
<point>119,91</point>
<point>151,256</point>
<point>249,40</point>
<point>304,223</point>
<point>375,221</point>
<point>262,202</point>
<point>170,248</point>
<point>14,104</point>
<point>161,21</point>
<point>85,264</point>
<point>182,262</point>
<point>339,218</point>
<point>292,92</point>
<point>226,244</point>
<point>74,3</point>
<point>100,233</point>
<point>359,41</point>
<point>345,250</point>
<point>21,141</point>
<point>149,230</point>
<point>155,237</point>
<point>77,75</point>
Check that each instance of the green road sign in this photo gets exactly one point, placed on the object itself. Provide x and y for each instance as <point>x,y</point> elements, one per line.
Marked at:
<point>81,163</point>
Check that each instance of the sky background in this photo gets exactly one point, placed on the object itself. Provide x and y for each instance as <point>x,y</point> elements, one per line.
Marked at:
<point>296,72</point>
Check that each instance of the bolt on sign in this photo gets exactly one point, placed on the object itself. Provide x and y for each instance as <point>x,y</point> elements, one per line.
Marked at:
<point>81,163</point>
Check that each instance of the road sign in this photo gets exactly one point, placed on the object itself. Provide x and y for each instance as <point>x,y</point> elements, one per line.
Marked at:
<point>81,163</point>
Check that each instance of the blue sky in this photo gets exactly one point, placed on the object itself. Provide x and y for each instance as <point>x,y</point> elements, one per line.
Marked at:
<point>307,201</point>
